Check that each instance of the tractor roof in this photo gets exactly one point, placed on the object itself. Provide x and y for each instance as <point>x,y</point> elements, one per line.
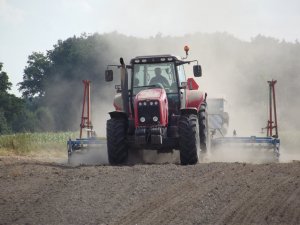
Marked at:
<point>155,59</point>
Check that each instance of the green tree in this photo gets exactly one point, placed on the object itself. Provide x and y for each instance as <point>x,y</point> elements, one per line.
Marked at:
<point>11,108</point>
<point>34,75</point>
<point>25,121</point>
<point>45,119</point>
<point>5,85</point>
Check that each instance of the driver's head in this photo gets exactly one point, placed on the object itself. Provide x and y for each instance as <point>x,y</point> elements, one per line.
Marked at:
<point>157,71</point>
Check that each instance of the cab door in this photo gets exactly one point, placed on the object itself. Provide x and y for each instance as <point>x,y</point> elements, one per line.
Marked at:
<point>181,81</point>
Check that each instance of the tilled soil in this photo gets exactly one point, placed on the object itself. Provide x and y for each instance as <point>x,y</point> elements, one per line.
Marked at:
<point>34,192</point>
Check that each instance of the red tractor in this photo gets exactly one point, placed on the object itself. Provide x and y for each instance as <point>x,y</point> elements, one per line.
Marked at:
<point>157,108</point>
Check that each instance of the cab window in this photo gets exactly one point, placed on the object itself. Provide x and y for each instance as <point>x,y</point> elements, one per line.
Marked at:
<point>181,74</point>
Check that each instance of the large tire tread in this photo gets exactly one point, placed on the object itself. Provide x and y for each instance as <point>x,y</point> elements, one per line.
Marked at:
<point>188,139</point>
<point>117,147</point>
<point>203,130</point>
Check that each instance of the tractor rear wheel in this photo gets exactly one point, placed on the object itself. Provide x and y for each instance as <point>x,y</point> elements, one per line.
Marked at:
<point>189,142</point>
<point>117,147</point>
<point>203,129</point>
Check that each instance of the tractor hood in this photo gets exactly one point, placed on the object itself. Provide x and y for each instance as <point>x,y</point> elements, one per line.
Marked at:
<point>151,94</point>
<point>149,104</point>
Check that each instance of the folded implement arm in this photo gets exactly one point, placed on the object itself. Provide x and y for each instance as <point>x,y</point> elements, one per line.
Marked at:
<point>82,145</point>
<point>270,143</point>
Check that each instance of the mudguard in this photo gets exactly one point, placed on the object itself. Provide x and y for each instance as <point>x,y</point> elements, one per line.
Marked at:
<point>189,110</point>
<point>118,115</point>
<point>194,99</point>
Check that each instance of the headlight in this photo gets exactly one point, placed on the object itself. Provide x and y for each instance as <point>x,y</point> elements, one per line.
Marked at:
<point>140,104</point>
<point>145,103</point>
<point>155,103</point>
<point>142,119</point>
<point>151,103</point>
<point>155,118</point>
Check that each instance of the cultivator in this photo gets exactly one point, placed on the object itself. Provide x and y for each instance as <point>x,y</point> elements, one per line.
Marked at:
<point>270,143</point>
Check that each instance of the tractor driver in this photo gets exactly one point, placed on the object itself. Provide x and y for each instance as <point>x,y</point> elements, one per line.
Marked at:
<point>159,78</point>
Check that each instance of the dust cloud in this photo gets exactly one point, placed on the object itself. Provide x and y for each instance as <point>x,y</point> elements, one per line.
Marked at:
<point>242,154</point>
<point>92,156</point>
<point>100,114</point>
<point>235,70</point>
<point>95,155</point>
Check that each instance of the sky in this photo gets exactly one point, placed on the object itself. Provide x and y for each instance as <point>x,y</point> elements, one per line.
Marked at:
<point>36,25</point>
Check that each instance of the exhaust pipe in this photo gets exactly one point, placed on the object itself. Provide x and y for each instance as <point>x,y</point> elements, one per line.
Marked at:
<point>124,87</point>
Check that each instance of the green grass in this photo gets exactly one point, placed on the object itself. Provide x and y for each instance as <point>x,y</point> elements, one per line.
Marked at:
<point>32,143</point>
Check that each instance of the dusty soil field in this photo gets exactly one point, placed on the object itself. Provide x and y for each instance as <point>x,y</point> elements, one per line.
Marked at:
<point>35,192</point>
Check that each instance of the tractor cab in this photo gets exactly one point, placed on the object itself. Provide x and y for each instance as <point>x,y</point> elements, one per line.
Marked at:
<point>160,71</point>
<point>166,72</point>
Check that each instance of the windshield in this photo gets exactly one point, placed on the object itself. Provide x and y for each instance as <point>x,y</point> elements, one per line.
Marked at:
<point>154,75</point>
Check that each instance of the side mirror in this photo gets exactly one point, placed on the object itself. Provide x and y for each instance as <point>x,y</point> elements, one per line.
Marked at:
<point>197,70</point>
<point>109,75</point>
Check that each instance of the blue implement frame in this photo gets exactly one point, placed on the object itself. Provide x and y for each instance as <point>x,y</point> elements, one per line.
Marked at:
<point>271,142</point>
<point>83,143</point>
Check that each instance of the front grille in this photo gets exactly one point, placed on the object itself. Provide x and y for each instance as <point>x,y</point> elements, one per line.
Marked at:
<point>148,110</point>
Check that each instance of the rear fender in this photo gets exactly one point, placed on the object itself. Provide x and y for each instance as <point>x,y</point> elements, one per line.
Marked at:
<point>118,104</point>
<point>118,115</point>
<point>194,99</point>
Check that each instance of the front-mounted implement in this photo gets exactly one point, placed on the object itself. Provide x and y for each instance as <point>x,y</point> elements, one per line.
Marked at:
<point>270,143</point>
<point>82,144</point>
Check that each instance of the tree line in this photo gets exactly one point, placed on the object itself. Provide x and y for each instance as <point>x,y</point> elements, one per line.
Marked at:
<point>52,81</point>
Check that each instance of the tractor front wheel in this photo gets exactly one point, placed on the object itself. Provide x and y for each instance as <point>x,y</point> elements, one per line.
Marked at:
<point>117,147</point>
<point>189,142</point>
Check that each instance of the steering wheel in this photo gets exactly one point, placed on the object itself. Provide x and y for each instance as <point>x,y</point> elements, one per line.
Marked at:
<point>159,85</point>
